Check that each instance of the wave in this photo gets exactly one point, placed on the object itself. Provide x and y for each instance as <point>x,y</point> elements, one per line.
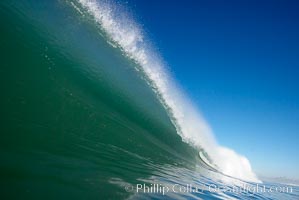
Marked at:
<point>125,33</point>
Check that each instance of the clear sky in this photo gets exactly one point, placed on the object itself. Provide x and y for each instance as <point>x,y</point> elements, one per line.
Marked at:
<point>238,61</point>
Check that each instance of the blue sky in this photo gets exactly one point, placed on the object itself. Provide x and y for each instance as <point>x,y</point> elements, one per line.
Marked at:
<point>239,63</point>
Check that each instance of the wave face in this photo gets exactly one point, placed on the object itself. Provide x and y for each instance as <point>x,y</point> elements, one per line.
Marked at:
<point>88,109</point>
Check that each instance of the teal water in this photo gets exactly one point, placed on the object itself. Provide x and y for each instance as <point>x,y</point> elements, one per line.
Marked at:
<point>78,121</point>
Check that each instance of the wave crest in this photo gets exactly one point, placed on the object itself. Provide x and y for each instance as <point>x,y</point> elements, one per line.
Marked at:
<point>190,125</point>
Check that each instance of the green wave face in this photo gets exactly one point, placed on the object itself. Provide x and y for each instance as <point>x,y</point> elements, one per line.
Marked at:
<point>81,119</point>
<point>76,115</point>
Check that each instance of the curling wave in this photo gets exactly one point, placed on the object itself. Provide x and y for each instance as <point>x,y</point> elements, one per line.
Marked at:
<point>126,34</point>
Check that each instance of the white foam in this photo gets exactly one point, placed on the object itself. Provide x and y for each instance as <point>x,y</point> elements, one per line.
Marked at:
<point>189,123</point>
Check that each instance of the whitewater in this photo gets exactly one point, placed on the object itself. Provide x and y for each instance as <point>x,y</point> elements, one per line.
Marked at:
<point>124,32</point>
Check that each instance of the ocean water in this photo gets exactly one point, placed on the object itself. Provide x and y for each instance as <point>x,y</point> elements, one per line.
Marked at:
<point>89,111</point>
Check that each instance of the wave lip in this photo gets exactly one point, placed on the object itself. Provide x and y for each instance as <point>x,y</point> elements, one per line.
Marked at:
<point>190,125</point>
